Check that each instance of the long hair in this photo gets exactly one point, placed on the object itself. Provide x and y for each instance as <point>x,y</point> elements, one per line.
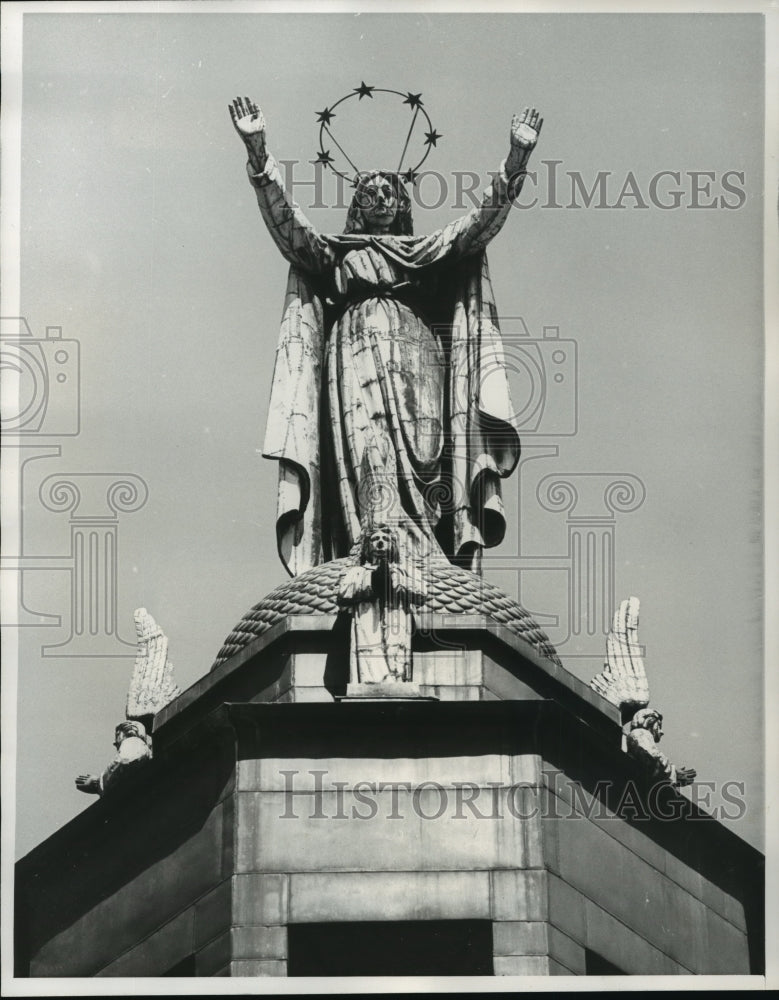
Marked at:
<point>402,224</point>
<point>393,554</point>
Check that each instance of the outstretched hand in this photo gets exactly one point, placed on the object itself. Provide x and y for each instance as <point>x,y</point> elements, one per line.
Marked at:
<point>88,783</point>
<point>249,123</point>
<point>525,129</point>
<point>685,775</point>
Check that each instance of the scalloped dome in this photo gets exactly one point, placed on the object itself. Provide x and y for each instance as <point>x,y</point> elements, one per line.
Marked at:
<point>451,590</point>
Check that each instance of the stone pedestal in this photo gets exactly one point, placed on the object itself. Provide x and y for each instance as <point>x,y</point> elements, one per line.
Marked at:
<point>273,815</point>
<point>392,690</point>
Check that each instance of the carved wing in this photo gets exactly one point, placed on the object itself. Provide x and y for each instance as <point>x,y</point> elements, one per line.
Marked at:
<point>623,680</point>
<point>152,686</point>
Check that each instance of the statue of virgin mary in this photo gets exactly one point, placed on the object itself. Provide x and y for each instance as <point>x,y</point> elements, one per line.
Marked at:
<point>390,400</point>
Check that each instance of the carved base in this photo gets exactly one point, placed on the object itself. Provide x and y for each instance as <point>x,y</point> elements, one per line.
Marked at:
<point>385,690</point>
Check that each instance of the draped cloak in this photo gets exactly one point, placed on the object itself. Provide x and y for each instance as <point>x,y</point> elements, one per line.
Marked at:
<point>480,442</point>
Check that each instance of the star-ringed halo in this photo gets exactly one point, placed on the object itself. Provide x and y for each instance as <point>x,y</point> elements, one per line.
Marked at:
<point>415,104</point>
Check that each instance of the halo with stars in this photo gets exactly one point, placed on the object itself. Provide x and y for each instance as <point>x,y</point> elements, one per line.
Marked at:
<point>327,140</point>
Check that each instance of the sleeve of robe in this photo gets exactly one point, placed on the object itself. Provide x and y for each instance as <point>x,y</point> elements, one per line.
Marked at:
<point>292,233</point>
<point>471,233</point>
<point>292,430</point>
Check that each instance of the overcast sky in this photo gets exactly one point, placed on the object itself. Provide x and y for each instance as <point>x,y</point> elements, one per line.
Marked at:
<point>141,238</point>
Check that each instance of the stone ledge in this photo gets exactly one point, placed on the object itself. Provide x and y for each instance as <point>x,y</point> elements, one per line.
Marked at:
<point>520,662</point>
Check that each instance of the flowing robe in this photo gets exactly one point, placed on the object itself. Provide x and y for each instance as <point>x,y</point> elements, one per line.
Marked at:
<point>382,622</point>
<point>393,403</point>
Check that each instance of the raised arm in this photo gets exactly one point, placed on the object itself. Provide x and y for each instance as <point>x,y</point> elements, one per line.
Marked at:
<point>473,231</point>
<point>293,234</point>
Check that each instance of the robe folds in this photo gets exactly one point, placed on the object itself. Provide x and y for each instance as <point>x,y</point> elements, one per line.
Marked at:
<point>390,398</point>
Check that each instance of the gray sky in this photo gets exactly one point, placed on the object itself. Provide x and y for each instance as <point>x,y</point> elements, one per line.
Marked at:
<point>142,239</point>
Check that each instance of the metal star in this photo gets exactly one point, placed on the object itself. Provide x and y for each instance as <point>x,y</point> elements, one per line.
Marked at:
<point>410,176</point>
<point>431,138</point>
<point>413,100</point>
<point>364,90</point>
<point>325,116</point>
<point>324,157</point>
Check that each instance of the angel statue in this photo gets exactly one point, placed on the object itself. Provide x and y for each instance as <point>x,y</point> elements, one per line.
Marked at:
<point>646,731</point>
<point>381,594</point>
<point>389,368</point>
<point>623,682</point>
<point>152,687</point>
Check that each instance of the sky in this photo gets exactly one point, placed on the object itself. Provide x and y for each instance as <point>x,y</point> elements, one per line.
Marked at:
<point>141,239</point>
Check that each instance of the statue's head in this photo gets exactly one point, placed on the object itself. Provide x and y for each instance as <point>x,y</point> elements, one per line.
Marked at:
<point>131,728</point>
<point>380,205</point>
<point>651,719</point>
<point>380,545</point>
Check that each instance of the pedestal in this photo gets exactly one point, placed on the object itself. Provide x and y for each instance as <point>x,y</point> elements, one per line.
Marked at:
<point>392,690</point>
<point>279,831</point>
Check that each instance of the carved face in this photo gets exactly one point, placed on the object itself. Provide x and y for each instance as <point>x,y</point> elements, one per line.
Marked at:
<point>378,203</point>
<point>125,729</point>
<point>380,544</point>
<point>656,729</point>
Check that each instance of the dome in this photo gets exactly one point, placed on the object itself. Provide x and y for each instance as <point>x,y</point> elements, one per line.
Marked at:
<point>451,590</point>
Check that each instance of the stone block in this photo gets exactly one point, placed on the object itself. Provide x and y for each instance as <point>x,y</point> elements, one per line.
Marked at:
<point>519,937</point>
<point>727,948</point>
<point>565,950</point>
<point>260,899</point>
<point>608,873</point>
<point>308,669</point>
<point>253,968</point>
<point>450,692</point>
<point>159,952</point>
<point>684,922</point>
<point>279,690</point>
<point>431,829</point>
<point>140,905</point>
<point>452,668</point>
<point>551,843</point>
<point>214,956</point>
<point>528,803</point>
<point>257,942</point>
<point>567,908</point>
<point>519,895</point>
<point>556,969</point>
<point>625,949</point>
<point>525,769</point>
<point>535,965</point>
<point>306,774</point>
<point>505,685</point>
<point>441,895</point>
<point>721,902</point>
<point>636,836</point>
<point>307,695</point>
<point>213,913</point>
